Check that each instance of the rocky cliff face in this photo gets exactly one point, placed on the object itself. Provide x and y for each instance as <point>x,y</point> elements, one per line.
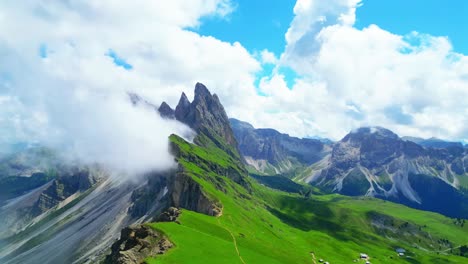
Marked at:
<point>269,151</point>
<point>187,193</point>
<point>376,162</point>
<point>74,181</point>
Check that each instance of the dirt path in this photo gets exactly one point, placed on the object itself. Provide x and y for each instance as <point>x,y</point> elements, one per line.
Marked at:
<point>313,257</point>
<point>234,240</point>
<point>441,251</point>
<point>448,249</point>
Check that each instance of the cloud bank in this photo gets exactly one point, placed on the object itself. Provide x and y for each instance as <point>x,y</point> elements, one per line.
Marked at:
<point>67,67</point>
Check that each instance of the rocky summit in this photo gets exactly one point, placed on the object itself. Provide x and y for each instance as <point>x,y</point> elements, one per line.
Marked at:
<point>374,161</point>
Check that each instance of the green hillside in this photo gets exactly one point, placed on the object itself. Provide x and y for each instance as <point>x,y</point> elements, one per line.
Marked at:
<point>262,225</point>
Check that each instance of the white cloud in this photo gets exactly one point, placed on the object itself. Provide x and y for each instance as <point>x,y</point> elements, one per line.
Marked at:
<point>413,84</point>
<point>268,57</point>
<point>75,97</point>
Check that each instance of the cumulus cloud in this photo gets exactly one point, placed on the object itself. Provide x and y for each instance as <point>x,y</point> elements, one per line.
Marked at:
<point>414,84</point>
<point>268,57</point>
<point>65,79</point>
<point>67,67</point>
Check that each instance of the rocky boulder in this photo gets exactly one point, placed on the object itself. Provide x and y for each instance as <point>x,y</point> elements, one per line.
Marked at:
<point>137,243</point>
<point>171,215</point>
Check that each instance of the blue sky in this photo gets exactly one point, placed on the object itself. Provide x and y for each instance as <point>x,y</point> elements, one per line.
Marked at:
<point>258,28</point>
<point>253,25</point>
<point>435,17</point>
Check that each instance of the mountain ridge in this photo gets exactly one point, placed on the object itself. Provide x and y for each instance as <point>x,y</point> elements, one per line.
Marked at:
<point>267,149</point>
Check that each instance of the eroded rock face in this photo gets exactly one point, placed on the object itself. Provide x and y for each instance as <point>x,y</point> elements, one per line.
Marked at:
<point>187,193</point>
<point>136,243</point>
<point>279,150</point>
<point>374,161</point>
<point>71,182</point>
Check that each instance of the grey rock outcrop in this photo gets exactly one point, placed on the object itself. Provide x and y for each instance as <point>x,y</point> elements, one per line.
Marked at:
<point>137,243</point>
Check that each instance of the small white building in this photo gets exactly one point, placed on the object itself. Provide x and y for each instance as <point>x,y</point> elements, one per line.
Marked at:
<point>400,250</point>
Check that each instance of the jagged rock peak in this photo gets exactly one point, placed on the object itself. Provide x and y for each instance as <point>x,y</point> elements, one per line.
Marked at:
<point>182,110</point>
<point>166,111</point>
<point>205,114</point>
<point>183,101</point>
<point>201,91</point>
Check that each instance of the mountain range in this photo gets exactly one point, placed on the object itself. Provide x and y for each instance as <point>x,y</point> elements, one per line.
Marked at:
<point>240,195</point>
<point>370,161</point>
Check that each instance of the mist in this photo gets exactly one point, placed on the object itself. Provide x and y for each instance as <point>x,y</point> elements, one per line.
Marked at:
<point>84,122</point>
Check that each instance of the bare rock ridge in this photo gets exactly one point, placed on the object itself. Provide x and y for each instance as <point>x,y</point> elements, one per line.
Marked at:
<point>374,161</point>
<point>267,149</point>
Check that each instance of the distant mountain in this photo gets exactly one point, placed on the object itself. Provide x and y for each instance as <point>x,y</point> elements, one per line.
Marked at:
<point>271,152</point>
<point>374,161</point>
<point>433,142</point>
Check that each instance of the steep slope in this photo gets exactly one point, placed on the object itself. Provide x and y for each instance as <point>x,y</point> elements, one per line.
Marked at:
<point>376,162</point>
<point>270,152</point>
<point>76,216</point>
<point>262,225</point>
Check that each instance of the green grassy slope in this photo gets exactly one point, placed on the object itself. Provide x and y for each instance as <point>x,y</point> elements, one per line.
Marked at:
<point>268,226</point>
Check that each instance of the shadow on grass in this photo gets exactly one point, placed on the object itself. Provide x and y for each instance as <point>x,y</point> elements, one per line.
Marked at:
<point>305,223</point>
<point>310,214</point>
